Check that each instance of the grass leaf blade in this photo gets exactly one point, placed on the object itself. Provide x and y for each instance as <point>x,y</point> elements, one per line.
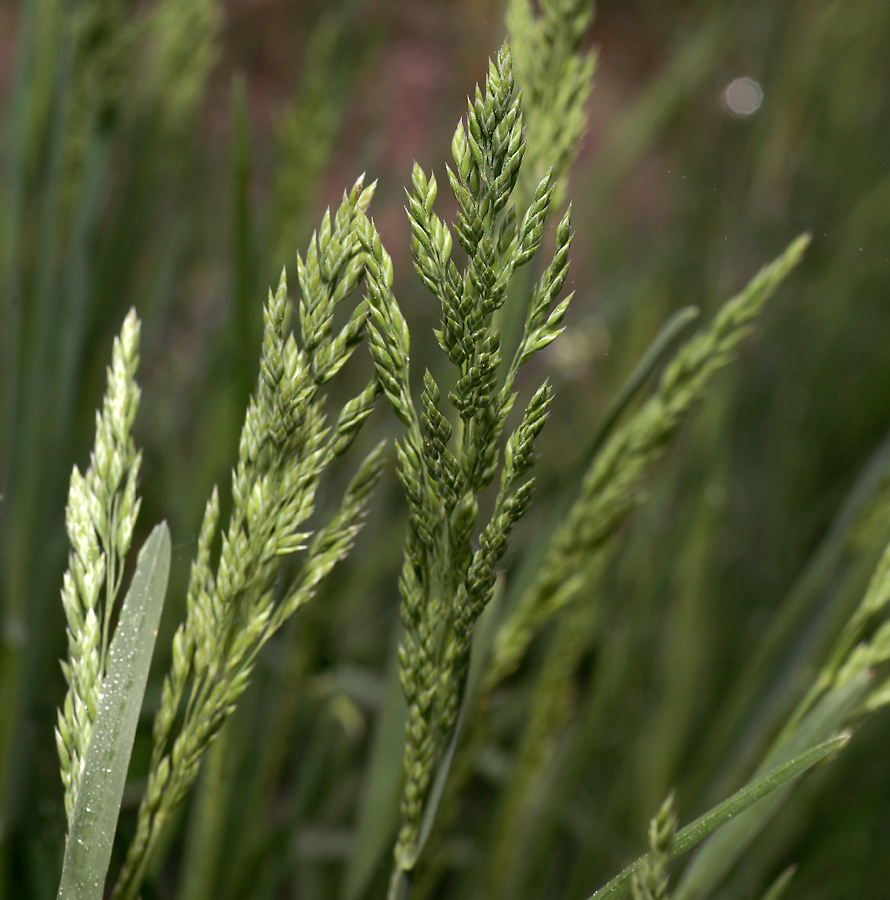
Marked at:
<point>378,817</point>
<point>780,885</point>
<point>656,352</point>
<point>705,825</point>
<point>715,859</point>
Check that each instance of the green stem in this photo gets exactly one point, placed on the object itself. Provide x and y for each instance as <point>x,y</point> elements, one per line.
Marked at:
<point>399,884</point>
<point>207,823</point>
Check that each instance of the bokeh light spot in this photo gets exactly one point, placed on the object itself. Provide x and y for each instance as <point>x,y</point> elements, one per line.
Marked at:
<point>743,97</point>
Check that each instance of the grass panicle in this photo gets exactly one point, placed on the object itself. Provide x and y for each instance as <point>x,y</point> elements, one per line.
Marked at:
<point>556,76</point>
<point>185,48</point>
<point>100,517</point>
<point>446,584</point>
<point>306,135</point>
<point>569,577</point>
<point>862,647</point>
<point>284,449</point>
<point>611,486</point>
<point>101,55</point>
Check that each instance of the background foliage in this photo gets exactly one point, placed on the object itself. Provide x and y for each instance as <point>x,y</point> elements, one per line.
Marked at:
<point>172,156</point>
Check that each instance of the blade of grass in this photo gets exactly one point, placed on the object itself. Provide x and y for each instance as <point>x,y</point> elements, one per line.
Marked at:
<point>788,623</point>
<point>780,885</point>
<point>28,364</point>
<point>655,353</point>
<point>88,847</point>
<point>379,811</point>
<point>714,861</point>
<point>246,318</point>
<point>705,825</point>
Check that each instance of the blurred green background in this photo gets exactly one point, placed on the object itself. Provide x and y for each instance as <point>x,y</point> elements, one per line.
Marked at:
<point>173,155</point>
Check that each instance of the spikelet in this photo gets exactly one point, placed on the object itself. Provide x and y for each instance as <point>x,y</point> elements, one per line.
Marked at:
<point>650,881</point>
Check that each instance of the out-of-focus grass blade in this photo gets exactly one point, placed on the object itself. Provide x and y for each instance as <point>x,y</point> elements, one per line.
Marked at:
<point>25,373</point>
<point>656,351</point>
<point>780,885</point>
<point>798,605</point>
<point>707,824</point>
<point>378,816</point>
<point>88,848</point>
<point>245,325</point>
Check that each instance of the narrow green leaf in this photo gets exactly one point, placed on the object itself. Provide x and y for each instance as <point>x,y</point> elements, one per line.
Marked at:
<point>379,812</point>
<point>707,824</point>
<point>777,642</point>
<point>654,354</point>
<point>715,859</point>
<point>780,885</point>
<point>695,833</point>
<point>96,810</point>
<point>245,319</point>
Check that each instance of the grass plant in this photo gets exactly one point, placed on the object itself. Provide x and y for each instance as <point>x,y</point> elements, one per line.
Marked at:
<point>566,649</point>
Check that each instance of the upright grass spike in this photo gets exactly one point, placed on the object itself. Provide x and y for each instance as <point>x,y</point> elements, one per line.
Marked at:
<point>307,130</point>
<point>556,77</point>
<point>185,45</point>
<point>100,517</point>
<point>578,553</point>
<point>285,447</point>
<point>446,583</point>
<point>611,487</point>
<point>101,58</point>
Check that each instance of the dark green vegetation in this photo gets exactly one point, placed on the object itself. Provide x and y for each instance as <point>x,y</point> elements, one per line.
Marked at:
<point>138,170</point>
